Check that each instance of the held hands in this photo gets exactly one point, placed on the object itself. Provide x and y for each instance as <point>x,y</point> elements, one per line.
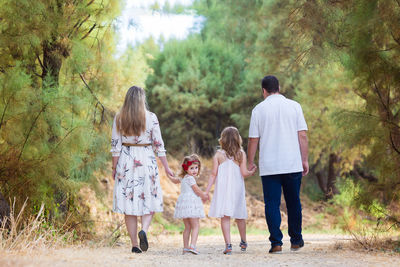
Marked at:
<point>252,168</point>
<point>172,177</point>
<point>205,197</point>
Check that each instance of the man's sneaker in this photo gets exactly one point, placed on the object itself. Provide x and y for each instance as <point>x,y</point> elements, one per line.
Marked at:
<point>243,245</point>
<point>228,249</point>
<point>276,250</point>
<point>136,250</point>
<point>297,246</point>
<point>144,244</point>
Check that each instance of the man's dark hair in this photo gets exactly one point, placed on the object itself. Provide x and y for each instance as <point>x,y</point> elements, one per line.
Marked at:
<point>270,83</point>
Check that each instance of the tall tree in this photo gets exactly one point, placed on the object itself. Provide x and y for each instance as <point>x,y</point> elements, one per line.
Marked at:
<point>55,59</point>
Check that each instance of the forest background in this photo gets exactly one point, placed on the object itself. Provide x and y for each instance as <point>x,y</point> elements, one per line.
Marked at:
<point>61,84</point>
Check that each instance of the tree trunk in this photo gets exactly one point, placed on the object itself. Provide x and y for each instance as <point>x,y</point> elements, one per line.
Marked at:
<point>52,61</point>
<point>4,209</point>
<point>321,182</point>
<point>330,185</point>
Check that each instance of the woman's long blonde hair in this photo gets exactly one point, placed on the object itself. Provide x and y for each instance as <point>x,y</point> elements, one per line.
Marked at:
<point>131,119</point>
<point>231,142</point>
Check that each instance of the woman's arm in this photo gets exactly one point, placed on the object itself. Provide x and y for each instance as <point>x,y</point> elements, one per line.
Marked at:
<point>114,166</point>
<point>116,146</point>
<point>243,166</point>
<point>214,173</point>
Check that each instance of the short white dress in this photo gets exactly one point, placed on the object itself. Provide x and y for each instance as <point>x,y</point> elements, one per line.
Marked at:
<point>189,205</point>
<point>137,189</point>
<point>229,197</point>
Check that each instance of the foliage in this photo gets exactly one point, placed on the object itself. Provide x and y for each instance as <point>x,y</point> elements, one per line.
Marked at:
<point>55,66</point>
<point>192,90</point>
<point>365,36</point>
<point>339,59</point>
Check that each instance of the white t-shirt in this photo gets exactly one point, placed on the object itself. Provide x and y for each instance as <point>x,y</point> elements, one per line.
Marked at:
<point>276,122</point>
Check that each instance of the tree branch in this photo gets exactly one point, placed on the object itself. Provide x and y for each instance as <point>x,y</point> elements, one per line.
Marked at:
<point>30,130</point>
<point>94,96</point>
<point>91,2</point>
<point>393,144</point>
<point>91,29</point>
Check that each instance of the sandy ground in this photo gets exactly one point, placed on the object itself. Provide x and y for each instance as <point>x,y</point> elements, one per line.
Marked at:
<point>319,250</point>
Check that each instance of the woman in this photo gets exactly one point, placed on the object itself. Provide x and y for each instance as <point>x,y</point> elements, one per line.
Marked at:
<point>136,137</point>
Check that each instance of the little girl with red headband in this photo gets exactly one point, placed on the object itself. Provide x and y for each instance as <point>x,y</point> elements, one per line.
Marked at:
<point>189,206</point>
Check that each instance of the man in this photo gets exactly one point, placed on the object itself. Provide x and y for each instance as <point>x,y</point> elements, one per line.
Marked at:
<point>279,125</point>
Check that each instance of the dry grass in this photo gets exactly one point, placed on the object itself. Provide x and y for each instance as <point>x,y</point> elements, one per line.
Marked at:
<point>18,233</point>
<point>375,239</point>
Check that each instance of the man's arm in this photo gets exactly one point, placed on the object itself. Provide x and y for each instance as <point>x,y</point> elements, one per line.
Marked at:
<point>303,141</point>
<point>251,151</point>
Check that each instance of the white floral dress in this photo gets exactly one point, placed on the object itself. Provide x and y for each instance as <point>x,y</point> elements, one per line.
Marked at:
<point>137,189</point>
<point>188,205</point>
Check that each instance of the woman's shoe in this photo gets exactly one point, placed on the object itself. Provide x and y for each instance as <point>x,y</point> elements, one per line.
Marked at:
<point>243,245</point>
<point>144,245</point>
<point>136,250</point>
<point>193,250</point>
<point>228,249</point>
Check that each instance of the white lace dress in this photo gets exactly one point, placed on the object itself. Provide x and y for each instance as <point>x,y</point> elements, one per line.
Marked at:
<point>137,189</point>
<point>229,197</point>
<point>189,205</point>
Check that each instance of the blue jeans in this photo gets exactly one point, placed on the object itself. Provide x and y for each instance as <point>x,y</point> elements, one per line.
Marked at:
<point>272,188</point>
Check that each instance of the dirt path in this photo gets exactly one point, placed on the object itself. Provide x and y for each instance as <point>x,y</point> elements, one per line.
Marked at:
<point>319,250</point>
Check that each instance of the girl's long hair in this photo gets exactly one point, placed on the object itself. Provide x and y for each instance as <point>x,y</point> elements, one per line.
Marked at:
<point>190,158</point>
<point>131,119</point>
<point>231,142</point>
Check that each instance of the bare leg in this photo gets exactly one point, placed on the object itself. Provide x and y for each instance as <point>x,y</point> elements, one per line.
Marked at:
<point>131,225</point>
<point>195,225</point>
<point>226,228</point>
<point>146,220</point>
<point>186,233</point>
<point>241,224</point>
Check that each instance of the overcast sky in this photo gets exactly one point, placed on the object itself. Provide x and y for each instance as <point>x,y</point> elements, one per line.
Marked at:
<point>138,22</point>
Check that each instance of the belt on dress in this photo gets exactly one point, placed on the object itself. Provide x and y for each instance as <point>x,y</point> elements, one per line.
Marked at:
<point>129,144</point>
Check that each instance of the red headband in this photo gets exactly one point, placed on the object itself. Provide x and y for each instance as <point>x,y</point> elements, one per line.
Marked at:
<point>189,163</point>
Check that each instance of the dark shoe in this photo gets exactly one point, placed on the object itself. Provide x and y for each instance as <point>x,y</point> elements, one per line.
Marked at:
<point>276,250</point>
<point>136,250</point>
<point>243,245</point>
<point>144,245</point>
<point>297,246</point>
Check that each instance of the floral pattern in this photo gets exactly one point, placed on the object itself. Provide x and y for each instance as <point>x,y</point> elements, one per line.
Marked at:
<point>137,189</point>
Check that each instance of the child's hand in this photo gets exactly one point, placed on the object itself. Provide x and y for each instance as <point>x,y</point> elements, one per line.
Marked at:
<point>204,197</point>
<point>175,180</point>
<point>253,169</point>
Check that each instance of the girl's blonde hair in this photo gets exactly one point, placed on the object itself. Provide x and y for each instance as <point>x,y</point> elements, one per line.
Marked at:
<point>231,142</point>
<point>192,158</point>
<point>131,120</point>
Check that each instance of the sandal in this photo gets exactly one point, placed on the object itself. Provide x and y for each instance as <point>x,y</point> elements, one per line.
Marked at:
<point>144,244</point>
<point>185,250</point>
<point>194,250</point>
<point>228,249</point>
<point>243,245</point>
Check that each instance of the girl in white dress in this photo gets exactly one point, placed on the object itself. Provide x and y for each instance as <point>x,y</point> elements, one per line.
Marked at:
<point>189,206</point>
<point>229,169</point>
<point>136,138</point>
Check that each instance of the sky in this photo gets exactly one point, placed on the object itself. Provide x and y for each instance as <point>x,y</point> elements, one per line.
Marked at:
<point>138,22</point>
